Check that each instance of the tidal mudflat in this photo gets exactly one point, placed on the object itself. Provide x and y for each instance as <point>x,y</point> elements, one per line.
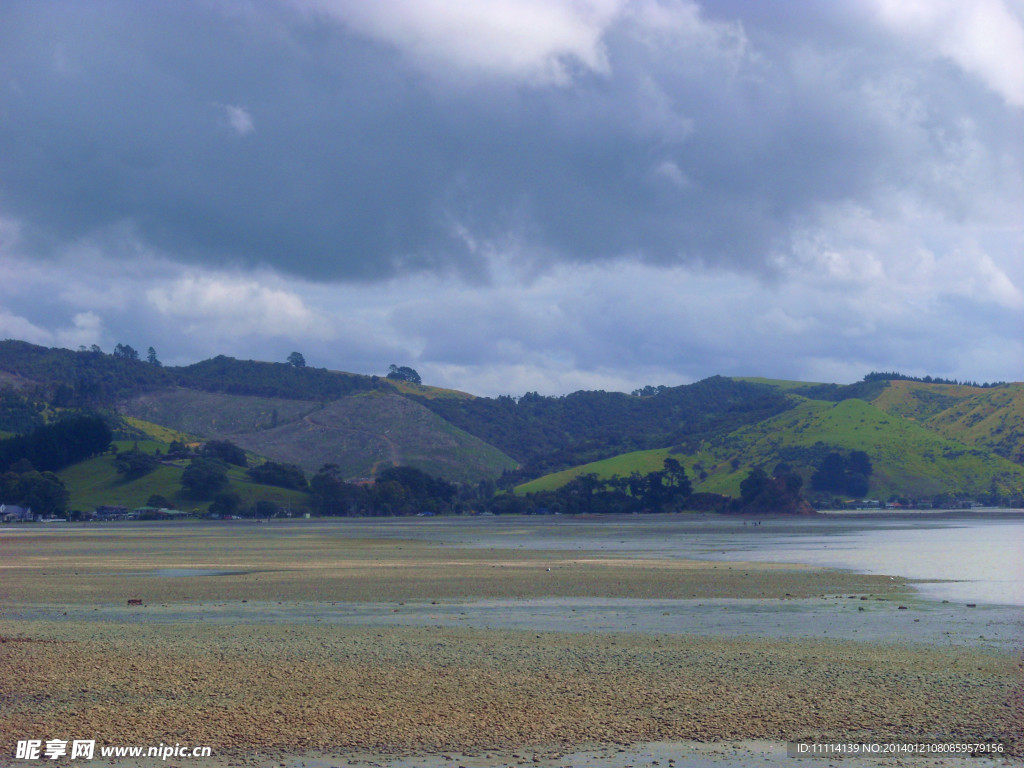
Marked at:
<point>489,641</point>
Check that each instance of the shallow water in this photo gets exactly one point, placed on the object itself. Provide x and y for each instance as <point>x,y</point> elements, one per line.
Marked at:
<point>973,557</point>
<point>978,559</point>
<point>977,556</point>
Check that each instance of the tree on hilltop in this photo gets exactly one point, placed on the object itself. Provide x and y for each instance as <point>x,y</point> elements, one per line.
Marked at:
<point>126,352</point>
<point>403,373</point>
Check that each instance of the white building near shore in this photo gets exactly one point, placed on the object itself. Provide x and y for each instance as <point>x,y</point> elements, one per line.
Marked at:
<point>12,513</point>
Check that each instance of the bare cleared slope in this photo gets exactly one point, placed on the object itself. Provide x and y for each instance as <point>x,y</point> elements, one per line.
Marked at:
<point>215,414</point>
<point>362,434</point>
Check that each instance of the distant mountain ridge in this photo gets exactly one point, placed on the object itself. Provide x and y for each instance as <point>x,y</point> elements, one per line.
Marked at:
<point>924,438</point>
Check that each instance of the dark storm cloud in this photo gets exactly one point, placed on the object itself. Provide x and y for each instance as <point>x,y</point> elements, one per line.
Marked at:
<point>335,177</point>
<point>266,136</point>
<point>520,194</point>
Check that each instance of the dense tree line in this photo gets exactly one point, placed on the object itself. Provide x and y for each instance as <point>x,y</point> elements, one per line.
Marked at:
<point>43,492</point>
<point>83,379</point>
<point>204,477</point>
<point>894,376</point>
<point>649,390</point>
<point>249,377</point>
<point>127,352</point>
<point>396,491</point>
<point>90,377</point>
<point>665,490</point>
<point>54,446</point>
<point>226,451</point>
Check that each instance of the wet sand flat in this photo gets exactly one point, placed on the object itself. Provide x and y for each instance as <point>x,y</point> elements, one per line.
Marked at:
<point>278,687</point>
<point>342,561</point>
<point>402,637</point>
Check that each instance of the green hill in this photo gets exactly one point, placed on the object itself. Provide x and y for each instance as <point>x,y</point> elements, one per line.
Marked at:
<point>622,466</point>
<point>302,415</point>
<point>985,417</point>
<point>96,482</point>
<point>156,432</point>
<point>908,459</point>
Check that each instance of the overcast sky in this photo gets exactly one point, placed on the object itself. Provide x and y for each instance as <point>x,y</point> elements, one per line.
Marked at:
<point>514,195</point>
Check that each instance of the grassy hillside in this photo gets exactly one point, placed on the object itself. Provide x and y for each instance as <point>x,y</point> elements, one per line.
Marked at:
<point>991,417</point>
<point>96,482</point>
<point>158,433</point>
<point>622,465</point>
<point>920,401</point>
<point>431,393</point>
<point>908,459</point>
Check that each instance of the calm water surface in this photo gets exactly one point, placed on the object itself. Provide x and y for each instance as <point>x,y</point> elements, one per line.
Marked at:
<point>982,557</point>
<point>978,555</point>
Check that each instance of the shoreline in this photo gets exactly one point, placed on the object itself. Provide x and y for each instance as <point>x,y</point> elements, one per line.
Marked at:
<point>399,645</point>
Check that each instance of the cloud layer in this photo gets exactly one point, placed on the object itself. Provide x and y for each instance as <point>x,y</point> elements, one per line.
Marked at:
<point>520,195</point>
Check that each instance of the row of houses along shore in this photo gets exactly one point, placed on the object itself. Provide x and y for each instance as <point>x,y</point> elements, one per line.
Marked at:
<point>12,513</point>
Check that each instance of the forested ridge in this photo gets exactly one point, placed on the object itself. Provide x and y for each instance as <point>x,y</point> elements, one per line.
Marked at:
<point>541,432</point>
<point>93,378</point>
<point>548,433</point>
